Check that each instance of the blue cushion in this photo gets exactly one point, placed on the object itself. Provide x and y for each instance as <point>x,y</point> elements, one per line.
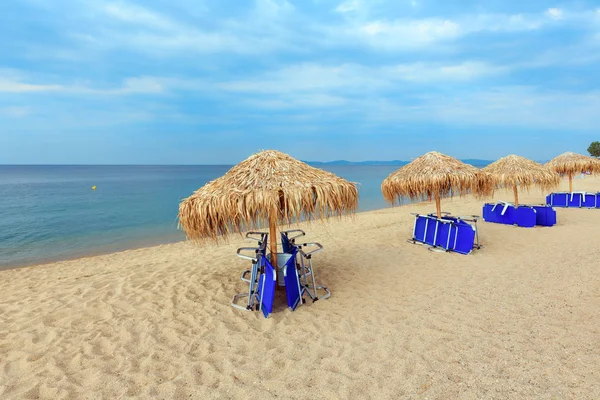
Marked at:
<point>499,213</point>
<point>446,234</point>
<point>266,287</point>
<point>525,216</point>
<point>292,282</point>
<point>558,199</point>
<point>589,200</point>
<point>545,216</point>
<point>286,245</point>
<point>425,229</point>
<point>574,199</point>
<point>465,237</point>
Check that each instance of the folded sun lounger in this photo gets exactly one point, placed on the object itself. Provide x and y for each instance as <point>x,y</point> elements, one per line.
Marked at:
<point>266,287</point>
<point>574,199</point>
<point>303,258</point>
<point>526,216</point>
<point>294,273</point>
<point>252,276</point>
<point>448,233</point>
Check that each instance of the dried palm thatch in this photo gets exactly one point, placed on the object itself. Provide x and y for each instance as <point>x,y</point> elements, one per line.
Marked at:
<point>572,163</point>
<point>514,171</point>
<point>269,186</point>
<point>435,174</point>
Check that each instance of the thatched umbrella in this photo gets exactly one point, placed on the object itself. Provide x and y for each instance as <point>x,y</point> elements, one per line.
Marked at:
<point>268,187</point>
<point>513,171</point>
<point>572,163</point>
<point>435,175</point>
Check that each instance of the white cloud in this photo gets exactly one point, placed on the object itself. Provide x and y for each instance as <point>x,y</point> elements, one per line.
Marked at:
<point>555,13</point>
<point>135,85</point>
<point>307,77</point>
<point>161,33</point>
<point>142,85</point>
<point>11,86</point>
<point>517,106</point>
<point>348,6</point>
<point>503,23</point>
<point>428,72</point>
<point>356,78</point>
<point>138,15</point>
<point>268,9</point>
<point>15,112</point>
<point>409,33</point>
<point>262,29</point>
<point>295,101</point>
<point>138,85</point>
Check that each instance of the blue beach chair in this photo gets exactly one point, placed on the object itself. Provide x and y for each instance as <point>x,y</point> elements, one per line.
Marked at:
<point>525,216</point>
<point>560,199</point>
<point>574,199</point>
<point>448,233</point>
<point>304,262</point>
<point>266,287</point>
<point>255,272</point>
<point>287,277</point>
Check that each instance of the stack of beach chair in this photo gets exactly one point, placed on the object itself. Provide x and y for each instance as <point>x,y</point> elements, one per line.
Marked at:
<point>525,216</point>
<point>446,233</point>
<point>295,273</point>
<point>574,199</point>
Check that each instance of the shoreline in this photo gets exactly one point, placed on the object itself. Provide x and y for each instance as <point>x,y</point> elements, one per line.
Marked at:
<point>150,243</point>
<point>97,253</point>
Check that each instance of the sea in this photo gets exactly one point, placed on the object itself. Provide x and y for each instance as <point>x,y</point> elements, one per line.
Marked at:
<point>51,213</point>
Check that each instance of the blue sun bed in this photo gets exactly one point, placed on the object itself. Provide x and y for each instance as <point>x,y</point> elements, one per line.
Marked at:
<point>447,233</point>
<point>294,273</point>
<point>255,271</point>
<point>293,291</point>
<point>304,263</point>
<point>526,216</point>
<point>558,199</point>
<point>266,287</point>
<point>574,199</point>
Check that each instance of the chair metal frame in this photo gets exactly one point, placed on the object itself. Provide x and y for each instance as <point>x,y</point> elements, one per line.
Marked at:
<point>256,271</point>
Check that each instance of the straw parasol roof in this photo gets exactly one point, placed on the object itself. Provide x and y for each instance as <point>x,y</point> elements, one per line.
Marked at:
<point>512,170</point>
<point>572,163</point>
<point>435,174</point>
<point>268,186</point>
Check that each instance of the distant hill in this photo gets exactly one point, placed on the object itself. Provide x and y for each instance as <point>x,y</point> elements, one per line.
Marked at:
<point>345,162</point>
<point>474,162</point>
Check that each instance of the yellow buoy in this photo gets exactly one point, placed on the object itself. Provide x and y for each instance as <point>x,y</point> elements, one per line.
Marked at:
<point>93,187</point>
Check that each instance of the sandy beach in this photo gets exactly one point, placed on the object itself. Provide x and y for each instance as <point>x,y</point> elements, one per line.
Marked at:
<point>517,319</point>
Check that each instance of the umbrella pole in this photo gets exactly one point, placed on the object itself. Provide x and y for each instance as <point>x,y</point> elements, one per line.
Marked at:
<point>571,183</point>
<point>516,195</point>
<point>273,237</point>
<point>438,206</point>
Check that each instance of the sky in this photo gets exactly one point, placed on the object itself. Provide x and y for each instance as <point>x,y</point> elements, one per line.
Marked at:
<point>213,81</point>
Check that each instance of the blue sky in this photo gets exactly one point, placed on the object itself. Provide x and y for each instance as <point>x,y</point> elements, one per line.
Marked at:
<point>212,81</point>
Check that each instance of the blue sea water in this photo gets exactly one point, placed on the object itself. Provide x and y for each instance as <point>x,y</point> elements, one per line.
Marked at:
<point>51,213</point>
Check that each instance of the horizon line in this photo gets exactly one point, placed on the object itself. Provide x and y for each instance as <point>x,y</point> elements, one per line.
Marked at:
<point>208,164</point>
